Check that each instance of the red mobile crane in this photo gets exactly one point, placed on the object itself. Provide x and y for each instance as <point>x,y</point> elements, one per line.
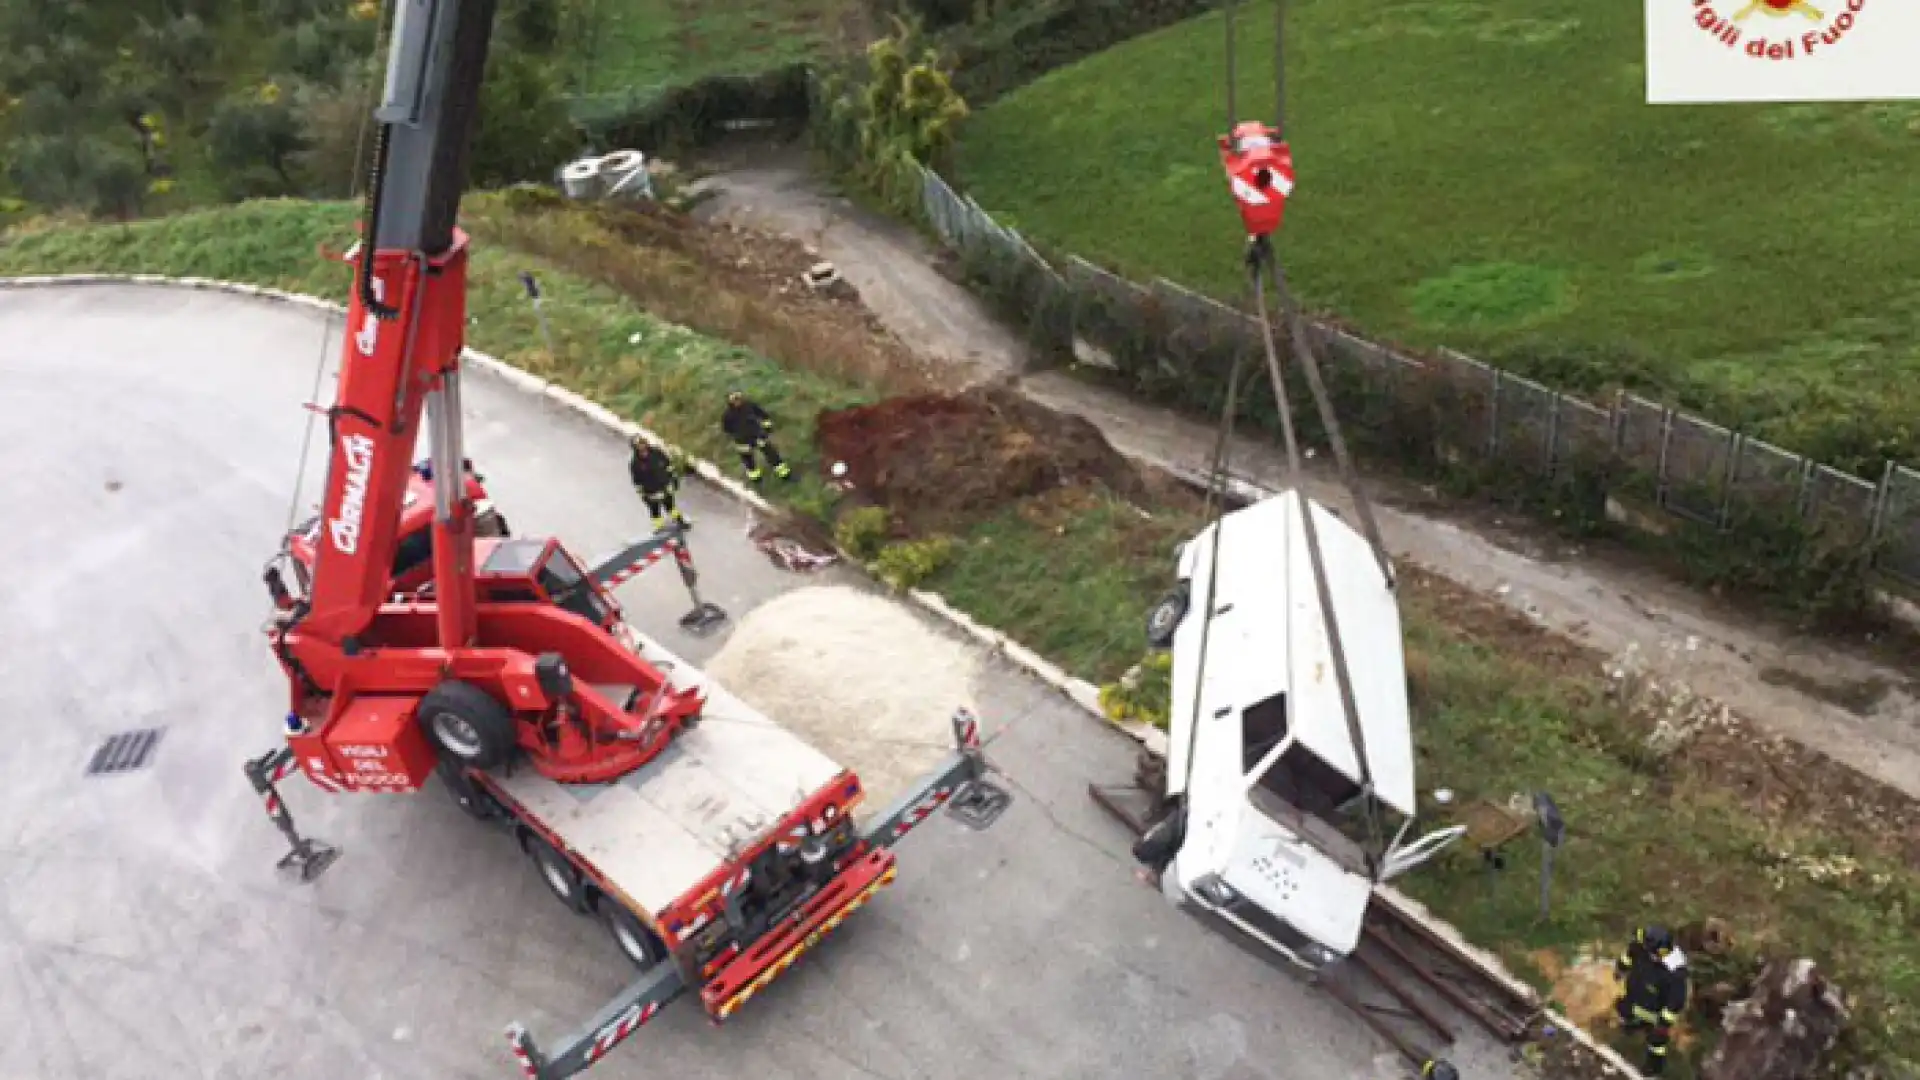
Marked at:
<point>509,651</point>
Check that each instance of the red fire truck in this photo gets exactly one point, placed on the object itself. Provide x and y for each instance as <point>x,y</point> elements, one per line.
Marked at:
<point>716,846</point>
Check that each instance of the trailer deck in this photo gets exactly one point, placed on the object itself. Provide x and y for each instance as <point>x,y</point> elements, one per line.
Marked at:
<point>659,831</point>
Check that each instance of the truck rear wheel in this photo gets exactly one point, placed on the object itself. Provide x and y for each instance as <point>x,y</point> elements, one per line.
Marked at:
<point>467,725</point>
<point>638,943</point>
<point>466,793</point>
<point>560,875</point>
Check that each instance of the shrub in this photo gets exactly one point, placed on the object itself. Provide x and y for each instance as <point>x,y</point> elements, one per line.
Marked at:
<point>908,563</point>
<point>524,131</point>
<point>1143,695</point>
<point>863,531</point>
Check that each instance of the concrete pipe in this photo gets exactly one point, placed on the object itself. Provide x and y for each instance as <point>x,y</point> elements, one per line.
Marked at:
<point>626,175</point>
<point>583,179</point>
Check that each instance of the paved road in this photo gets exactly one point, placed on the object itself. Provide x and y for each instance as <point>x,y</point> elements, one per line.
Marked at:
<point>150,440</point>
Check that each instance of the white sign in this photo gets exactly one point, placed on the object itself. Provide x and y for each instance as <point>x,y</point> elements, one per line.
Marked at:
<point>1710,51</point>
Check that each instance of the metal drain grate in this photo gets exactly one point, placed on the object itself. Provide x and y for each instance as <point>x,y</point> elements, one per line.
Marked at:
<point>124,752</point>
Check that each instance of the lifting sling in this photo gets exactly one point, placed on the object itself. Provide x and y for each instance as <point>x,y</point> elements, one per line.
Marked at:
<point>1247,149</point>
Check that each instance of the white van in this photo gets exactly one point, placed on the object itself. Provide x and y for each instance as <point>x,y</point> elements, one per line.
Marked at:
<point>1263,779</point>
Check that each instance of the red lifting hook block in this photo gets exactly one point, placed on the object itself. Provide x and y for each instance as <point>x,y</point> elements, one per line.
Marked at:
<point>1260,171</point>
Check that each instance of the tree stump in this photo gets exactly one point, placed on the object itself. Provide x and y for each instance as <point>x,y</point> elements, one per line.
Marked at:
<point>1783,1030</point>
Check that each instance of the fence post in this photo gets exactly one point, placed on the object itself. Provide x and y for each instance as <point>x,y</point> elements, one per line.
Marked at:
<point>1493,413</point>
<point>1882,504</point>
<point>1617,423</point>
<point>1553,434</point>
<point>1736,446</point>
<point>1805,498</point>
<point>1666,442</point>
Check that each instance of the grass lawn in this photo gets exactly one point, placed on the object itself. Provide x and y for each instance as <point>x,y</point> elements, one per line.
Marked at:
<point>1490,179</point>
<point>639,47</point>
<point>1704,829</point>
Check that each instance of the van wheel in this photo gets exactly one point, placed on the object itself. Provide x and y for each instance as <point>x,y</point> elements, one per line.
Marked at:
<point>1165,617</point>
<point>1161,842</point>
<point>638,943</point>
<point>559,874</point>
<point>467,725</point>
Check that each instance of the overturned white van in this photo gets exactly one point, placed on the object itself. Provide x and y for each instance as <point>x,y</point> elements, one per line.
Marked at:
<point>1261,826</point>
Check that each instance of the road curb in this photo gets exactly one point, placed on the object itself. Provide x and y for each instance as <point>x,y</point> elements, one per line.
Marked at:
<point>1079,691</point>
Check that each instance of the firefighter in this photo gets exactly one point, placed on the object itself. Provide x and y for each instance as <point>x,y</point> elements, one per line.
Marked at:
<point>1439,1070</point>
<point>749,426</point>
<point>656,478</point>
<point>1653,976</point>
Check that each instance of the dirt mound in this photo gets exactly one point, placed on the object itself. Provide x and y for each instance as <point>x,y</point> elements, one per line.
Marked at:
<point>943,460</point>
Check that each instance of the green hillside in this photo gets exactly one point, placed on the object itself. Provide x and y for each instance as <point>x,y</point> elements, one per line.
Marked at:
<point>1489,177</point>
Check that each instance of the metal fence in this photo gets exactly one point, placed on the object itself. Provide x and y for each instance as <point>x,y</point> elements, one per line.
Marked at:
<point>1689,467</point>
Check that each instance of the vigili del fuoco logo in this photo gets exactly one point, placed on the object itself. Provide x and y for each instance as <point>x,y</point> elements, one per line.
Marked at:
<point>1779,29</point>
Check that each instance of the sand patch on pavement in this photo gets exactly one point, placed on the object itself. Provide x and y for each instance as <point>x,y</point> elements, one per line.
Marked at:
<point>855,675</point>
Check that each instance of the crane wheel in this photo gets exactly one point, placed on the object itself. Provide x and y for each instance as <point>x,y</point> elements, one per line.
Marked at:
<point>467,725</point>
<point>1165,617</point>
<point>638,943</point>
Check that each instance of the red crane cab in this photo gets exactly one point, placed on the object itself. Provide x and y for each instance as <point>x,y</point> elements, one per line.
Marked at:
<point>413,557</point>
<point>391,737</point>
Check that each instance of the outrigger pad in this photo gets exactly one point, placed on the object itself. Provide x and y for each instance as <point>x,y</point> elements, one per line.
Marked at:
<point>979,804</point>
<point>309,859</point>
<point>703,619</point>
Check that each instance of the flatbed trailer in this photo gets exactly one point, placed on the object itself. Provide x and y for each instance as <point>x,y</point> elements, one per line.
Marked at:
<point>717,865</point>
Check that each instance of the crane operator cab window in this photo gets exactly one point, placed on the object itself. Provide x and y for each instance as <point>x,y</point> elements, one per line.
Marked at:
<point>568,588</point>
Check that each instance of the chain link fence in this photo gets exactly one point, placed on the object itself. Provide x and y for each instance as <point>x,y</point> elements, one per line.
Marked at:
<point>1171,345</point>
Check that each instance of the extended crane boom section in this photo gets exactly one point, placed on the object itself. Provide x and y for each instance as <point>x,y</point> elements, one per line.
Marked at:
<point>406,322</point>
<point>386,375</point>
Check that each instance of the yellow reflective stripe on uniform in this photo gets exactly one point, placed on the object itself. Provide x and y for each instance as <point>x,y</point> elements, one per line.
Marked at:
<point>1669,1016</point>
<point>1657,1051</point>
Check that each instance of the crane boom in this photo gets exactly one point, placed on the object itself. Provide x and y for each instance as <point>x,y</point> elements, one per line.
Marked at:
<point>406,322</point>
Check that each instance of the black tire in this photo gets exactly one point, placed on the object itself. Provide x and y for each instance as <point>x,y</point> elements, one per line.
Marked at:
<point>1161,842</point>
<point>560,876</point>
<point>637,943</point>
<point>467,725</point>
<point>466,794</point>
<point>1165,617</point>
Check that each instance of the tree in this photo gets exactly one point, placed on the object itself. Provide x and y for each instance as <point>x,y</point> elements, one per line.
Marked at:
<point>523,129</point>
<point>104,176</point>
<point>532,25</point>
<point>336,121</point>
<point>253,141</point>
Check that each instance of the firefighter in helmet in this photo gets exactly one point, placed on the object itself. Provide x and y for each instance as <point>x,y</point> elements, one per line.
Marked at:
<point>1653,976</point>
<point>1439,1070</point>
<point>656,478</point>
<point>750,428</point>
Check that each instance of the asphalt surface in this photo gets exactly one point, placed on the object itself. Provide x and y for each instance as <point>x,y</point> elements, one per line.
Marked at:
<point>146,459</point>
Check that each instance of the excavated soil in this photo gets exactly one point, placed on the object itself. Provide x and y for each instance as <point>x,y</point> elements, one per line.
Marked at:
<point>941,461</point>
